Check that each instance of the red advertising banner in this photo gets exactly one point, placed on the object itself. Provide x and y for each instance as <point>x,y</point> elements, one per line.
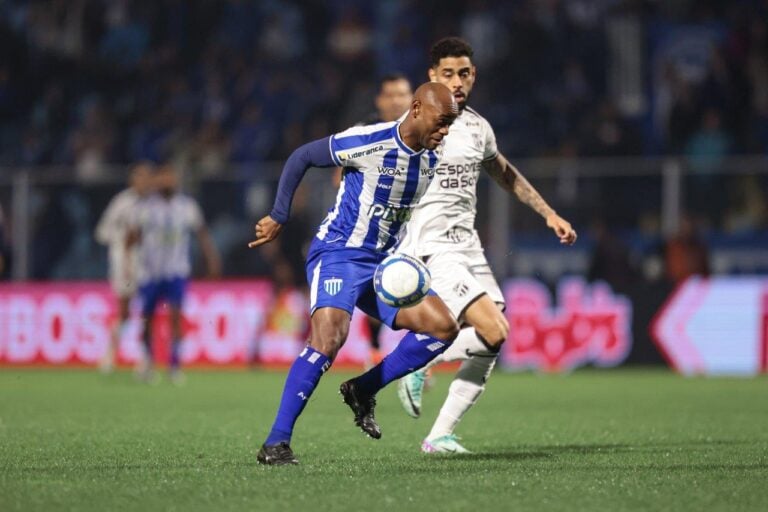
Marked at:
<point>243,322</point>
<point>590,325</point>
<point>225,323</point>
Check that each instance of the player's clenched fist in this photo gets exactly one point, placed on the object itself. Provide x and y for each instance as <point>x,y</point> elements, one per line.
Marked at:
<point>267,230</point>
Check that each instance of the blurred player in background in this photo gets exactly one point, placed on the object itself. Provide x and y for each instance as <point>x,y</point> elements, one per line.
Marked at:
<point>394,98</point>
<point>112,231</point>
<point>387,168</point>
<point>442,233</point>
<point>161,227</point>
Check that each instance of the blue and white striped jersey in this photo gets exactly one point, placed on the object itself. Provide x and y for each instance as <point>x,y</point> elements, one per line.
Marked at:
<point>383,181</point>
<point>166,226</point>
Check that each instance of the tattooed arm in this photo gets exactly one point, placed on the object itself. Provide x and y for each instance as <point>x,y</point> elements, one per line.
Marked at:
<point>510,179</point>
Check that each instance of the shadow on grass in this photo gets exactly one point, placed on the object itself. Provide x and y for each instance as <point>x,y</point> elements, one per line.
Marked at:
<point>149,466</point>
<point>640,447</point>
<point>501,455</point>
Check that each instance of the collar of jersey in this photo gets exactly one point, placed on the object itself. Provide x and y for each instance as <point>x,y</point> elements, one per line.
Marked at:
<point>402,144</point>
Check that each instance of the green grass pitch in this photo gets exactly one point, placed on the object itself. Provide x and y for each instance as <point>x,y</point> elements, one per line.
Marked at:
<point>594,440</point>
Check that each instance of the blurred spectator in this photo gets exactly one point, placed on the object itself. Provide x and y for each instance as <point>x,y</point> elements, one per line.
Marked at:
<point>611,260</point>
<point>350,38</point>
<point>707,148</point>
<point>609,135</point>
<point>686,254</point>
<point>91,143</point>
<point>683,116</point>
<point>748,212</point>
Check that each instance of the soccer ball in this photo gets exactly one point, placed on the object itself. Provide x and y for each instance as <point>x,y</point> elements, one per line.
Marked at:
<point>401,281</point>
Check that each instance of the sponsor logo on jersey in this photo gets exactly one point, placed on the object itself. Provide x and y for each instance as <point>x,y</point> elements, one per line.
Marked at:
<point>458,235</point>
<point>390,171</point>
<point>458,175</point>
<point>333,286</point>
<point>358,154</point>
<point>390,213</point>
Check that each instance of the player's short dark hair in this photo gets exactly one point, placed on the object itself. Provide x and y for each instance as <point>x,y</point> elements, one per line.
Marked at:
<point>392,77</point>
<point>135,166</point>
<point>449,47</point>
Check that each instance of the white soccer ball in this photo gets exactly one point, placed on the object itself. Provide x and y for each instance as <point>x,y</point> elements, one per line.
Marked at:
<point>401,281</point>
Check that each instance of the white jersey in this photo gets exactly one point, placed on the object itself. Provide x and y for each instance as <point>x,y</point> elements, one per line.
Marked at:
<point>444,219</point>
<point>165,226</point>
<point>112,231</point>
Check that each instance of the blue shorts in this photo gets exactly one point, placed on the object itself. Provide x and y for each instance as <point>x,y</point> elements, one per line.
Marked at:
<point>171,290</point>
<point>342,278</point>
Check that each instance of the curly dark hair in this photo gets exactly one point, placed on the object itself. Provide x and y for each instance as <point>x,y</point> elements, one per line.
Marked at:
<point>449,47</point>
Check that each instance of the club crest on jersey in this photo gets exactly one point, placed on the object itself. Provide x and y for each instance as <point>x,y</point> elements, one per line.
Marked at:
<point>333,286</point>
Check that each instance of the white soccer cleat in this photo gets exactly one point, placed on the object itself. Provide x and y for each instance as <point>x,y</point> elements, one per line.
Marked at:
<point>409,391</point>
<point>443,444</point>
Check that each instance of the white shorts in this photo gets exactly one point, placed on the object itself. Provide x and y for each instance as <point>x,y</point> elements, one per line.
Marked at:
<point>460,277</point>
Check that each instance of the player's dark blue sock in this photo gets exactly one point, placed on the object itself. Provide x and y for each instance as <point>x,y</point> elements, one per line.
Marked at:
<point>302,380</point>
<point>413,352</point>
<point>175,354</point>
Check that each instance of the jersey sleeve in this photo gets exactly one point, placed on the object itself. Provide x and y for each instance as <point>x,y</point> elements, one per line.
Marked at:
<point>490,150</point>
<point>351,147</point>
<point>114,220</point>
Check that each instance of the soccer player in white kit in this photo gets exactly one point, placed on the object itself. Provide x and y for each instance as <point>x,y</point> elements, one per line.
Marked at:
<point>442,233</point>
<point>112,231</point>
<point>162,227</point>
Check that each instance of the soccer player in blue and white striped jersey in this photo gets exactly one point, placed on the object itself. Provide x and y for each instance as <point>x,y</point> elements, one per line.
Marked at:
<point>387,168</point>
<point>162,226</point>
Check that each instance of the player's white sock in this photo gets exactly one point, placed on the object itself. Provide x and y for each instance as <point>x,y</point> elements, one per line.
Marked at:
<point>463,393</point>
<point>465,343</point>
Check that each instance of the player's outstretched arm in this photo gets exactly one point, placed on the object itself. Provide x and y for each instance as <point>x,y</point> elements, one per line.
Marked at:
<point>509,178</point>
<point>312,154</point>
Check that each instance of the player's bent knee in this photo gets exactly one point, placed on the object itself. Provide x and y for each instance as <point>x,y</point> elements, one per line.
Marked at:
<point>329,340</point>
<point>446,329</point>
<point>494,332</point>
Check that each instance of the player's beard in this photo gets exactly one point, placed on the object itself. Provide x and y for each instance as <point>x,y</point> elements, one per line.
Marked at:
<point>463,103</point>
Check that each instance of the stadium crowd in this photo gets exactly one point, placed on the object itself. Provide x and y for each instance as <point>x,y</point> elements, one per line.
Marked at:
<point>225,87</point>
<point>86,82</point>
